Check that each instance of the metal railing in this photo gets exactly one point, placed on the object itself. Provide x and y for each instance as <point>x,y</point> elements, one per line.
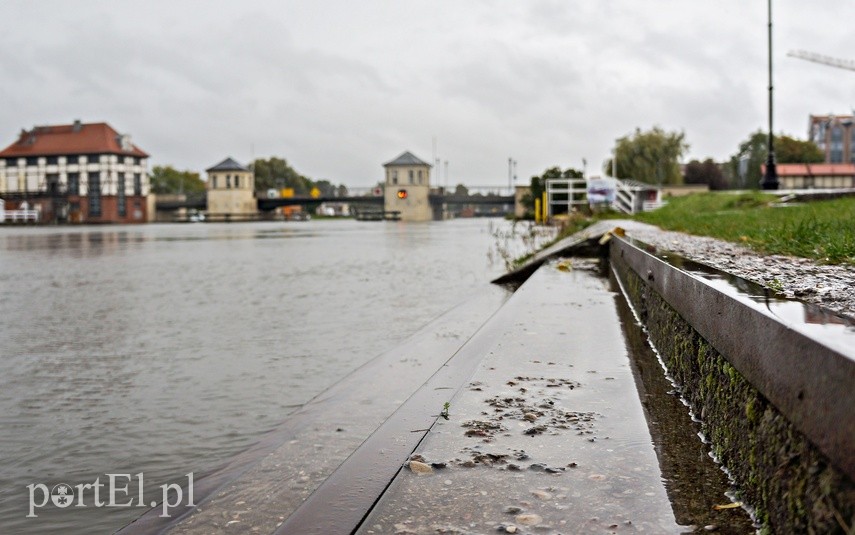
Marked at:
<point>565,192</point>
<point>632,197</point>
<point>16,216</point>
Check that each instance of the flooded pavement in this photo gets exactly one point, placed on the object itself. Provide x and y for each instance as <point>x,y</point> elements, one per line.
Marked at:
<point>261,487</point>
<point>550,434</point>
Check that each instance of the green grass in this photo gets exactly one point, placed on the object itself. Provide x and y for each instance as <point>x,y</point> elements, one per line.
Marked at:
<point>821,230</point>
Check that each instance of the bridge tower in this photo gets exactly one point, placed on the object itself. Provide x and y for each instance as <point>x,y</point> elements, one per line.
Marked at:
<point>408,188</point>
<point>230,191</point>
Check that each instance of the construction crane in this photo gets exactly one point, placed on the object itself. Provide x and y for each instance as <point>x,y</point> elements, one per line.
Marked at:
<point>847,64</point>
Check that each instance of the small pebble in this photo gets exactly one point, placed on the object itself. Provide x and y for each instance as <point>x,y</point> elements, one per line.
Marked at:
<point>420,468</point>
<point>541,494</point>
<point>513,510</point>
<point>529,519</point>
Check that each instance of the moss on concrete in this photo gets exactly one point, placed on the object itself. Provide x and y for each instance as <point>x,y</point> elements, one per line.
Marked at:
<point>792,486</point>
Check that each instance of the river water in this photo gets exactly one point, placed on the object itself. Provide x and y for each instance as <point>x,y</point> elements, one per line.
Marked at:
<point>166,349</point>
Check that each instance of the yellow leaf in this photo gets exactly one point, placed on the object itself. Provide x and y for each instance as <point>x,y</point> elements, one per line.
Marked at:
<point>727,506</point>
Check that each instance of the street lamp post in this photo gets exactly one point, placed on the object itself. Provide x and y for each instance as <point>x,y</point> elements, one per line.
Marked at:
<point>770,178</point>
<point>510,174</point>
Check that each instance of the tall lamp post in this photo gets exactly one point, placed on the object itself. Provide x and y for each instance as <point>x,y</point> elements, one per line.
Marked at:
<point>770,178</point>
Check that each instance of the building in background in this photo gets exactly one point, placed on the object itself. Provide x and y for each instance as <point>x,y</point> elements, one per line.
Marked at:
<point>815,175</point>
<point>408,188</point>
<point>78,173</point>
<point>833,135</point>
<point>231,188</point>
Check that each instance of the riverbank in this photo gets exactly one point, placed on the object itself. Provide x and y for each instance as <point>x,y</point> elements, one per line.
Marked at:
<point>559,428</point>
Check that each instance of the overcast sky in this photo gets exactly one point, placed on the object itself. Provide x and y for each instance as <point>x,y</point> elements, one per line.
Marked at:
<point>340,87</point>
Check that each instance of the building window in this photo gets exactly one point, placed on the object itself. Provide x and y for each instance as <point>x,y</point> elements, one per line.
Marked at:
<point>411,176</point>
<point>137,184</point>
<point>836,155</point>
<point>237,181</point>
<point>421,177</point>
<point>52,160</point>
<point>851,145</point>
<point>11,162</point>
<point>228,181</point>
<point>74,183</point>
<point>394,177</point>
<point>121,201</point>
<point>93,158</point>
<point>32,160</point>
<point>94,191</point>
<point>214,182</point>
<point>52,180</point>
<point>72,159</point>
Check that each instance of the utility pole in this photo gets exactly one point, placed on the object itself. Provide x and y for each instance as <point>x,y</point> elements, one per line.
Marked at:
<point>510,174</point>
<point>446,174</point>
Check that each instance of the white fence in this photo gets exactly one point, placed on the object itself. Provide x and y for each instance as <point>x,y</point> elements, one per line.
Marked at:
<point>627,196</point>
<point>566,193</point>
<point>17,216</point>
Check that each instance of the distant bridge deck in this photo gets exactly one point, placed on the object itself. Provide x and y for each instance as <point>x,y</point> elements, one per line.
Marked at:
<point>199,202</point>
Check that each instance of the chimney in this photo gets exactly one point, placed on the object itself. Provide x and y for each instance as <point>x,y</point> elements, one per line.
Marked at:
<point>125,142</point>
<point>77,126</point>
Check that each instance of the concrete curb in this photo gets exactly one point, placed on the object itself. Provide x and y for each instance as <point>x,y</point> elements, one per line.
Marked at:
<point>775,405</point>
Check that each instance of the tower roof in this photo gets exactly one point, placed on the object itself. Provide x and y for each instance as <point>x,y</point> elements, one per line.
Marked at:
<point>76,138</point>
<point>407,158</point>
<point>229,164</point>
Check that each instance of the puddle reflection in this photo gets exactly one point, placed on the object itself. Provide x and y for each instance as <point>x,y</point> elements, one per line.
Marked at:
<point>693,481</point>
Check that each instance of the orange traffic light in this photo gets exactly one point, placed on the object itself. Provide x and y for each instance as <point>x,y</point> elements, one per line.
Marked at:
<point>402,194</point>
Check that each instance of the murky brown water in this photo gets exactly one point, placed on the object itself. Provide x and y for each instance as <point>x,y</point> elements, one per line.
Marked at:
<point>165,349</point>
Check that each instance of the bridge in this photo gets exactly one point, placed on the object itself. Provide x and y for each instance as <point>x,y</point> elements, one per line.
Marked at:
<point>485,201</point>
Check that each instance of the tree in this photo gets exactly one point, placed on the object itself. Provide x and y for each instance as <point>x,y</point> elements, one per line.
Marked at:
<point>706,172</point>
<point>744,166</point>
<point>327,188</point>
<point>168,180</point>
<point>792,150</point>
<point>461,191</point>
<point>275,173</point>
<point>652,156</point>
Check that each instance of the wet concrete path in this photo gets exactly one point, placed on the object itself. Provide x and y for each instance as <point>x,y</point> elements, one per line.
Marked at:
<point>258,489</point>
<point>552,397</point>
<point>549,435</point>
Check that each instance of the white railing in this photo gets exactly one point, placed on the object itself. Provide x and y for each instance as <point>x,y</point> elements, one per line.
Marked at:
<point>632,197</point>
<point>19,216</point>
<point>573,192</point>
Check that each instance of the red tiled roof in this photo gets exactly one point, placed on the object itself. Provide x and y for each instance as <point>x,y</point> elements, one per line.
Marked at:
<point>90,138</point>
<point>813,169</point>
